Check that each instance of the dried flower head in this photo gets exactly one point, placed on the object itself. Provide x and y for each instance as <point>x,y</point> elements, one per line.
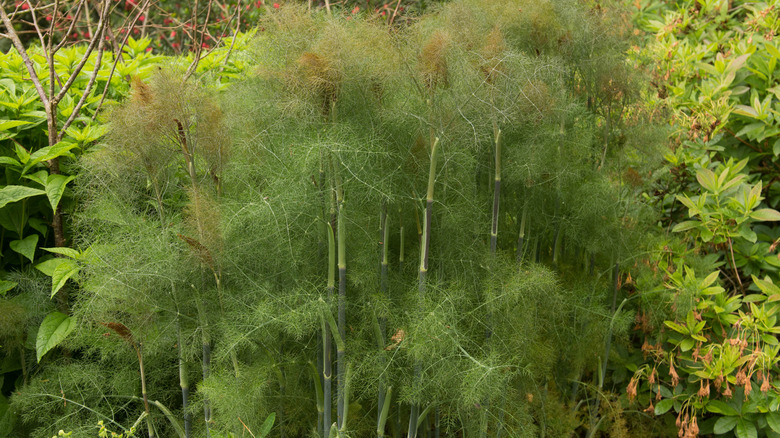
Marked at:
<point>673,374</point>
<point>704,390</point>
<point>433,61</point>
<point>631,389</point>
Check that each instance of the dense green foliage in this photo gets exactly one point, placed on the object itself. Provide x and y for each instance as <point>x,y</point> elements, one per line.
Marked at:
<point>442,227</point>
<point>203,234</point>
<point>715,69</point>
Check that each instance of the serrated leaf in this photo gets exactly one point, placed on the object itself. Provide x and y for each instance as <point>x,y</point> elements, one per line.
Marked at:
<point>677,327</point>
<point>766,214</point>
<point>709,279</point>
<point>39,177</point>
<point>769,47</point>
<point>5,286</point>
<point>48,266</point>
<point>686,225</point>
<point>725,424</point>
<point>707,179</point>
<point>53,330</point>
<point>55,187</point>
<point>65,270</point>
<point>746,429</point>
<point>720,407</point>
<point>8,124</point>
<point>49,152</point>
<point>26,246</point>
<point>663,406</point>
<point>265,429</point>
<point>766,286</point>
<point>773,420</point>
<point>10,194</point>
<point>67,252</point>
<point>8,161</point>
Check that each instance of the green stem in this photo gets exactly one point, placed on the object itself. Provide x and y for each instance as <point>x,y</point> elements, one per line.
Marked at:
<point>496,194</point>
<point>342,302</point>
<point>327,372</point>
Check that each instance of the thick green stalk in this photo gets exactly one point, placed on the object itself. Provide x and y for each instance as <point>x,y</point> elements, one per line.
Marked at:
<point>425,250</point>
<point>206,359</point>
<point>137,348</point>
<point>594,420</point>
<point>521,234</point>
<point>380,424</point>
<point>384,244</point>
<point>496,193</point>
<point>426,234</point>
<point>183,381</point>
<point>327,372</point>
<point>342,265</point>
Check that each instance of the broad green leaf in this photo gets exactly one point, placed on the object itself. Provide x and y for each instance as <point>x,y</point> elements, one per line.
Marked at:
<point>773,420</point>
<point>8,161</point>
<point>21,153</point>
<point>766,214</point>
<point>67,252</point>
<point>39,177</point>
<point>26,246</point>
<point>746,429</point>
<point>48,266</point>
<point>8,124</point>
<point>677,327</point>
<point>55,187</point>
<point>744,110</point>
<point>65,270</point>
<point>53,330</point>
<point>687,225</point>
<point>10,194</point>
<point>772,50</point>
<point>663,406</point>
<point>766,286</point>
<point>44,154</point>
<point>710,279</point>
<point>5,286</point>
<point>725,424</point>
<point>707,179</point>
<point>686,344</point>
<point>265,429</point>
<point>719,407</point>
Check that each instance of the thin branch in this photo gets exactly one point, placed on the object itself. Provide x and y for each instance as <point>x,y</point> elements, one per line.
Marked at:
<point>191,69</point>
<point>98,35</point>
<point>26,58</point>
<point>70,28</point>
<point>117,58</point>
<point>87,89</point>
<point>35,25</point>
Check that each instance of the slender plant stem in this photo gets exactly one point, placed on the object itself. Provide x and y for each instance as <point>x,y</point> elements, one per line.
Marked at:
<point>183,380</point>
<point>327,360</point>
<point>521,234</point>
<point>496,193</point>
<point>342,302</point>
<point>383,265</point>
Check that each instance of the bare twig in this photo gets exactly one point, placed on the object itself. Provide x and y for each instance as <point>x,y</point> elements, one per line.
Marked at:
<point>117,57</point>
<point>194,65</point>
<point>93,42</point>
<point>25,58</point>
<point>87,89</point>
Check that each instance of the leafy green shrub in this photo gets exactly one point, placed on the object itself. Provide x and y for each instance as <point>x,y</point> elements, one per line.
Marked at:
<point>715,72</point>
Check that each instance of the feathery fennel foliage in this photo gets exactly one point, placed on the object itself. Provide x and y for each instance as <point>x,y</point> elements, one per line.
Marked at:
<point>212,249</point>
